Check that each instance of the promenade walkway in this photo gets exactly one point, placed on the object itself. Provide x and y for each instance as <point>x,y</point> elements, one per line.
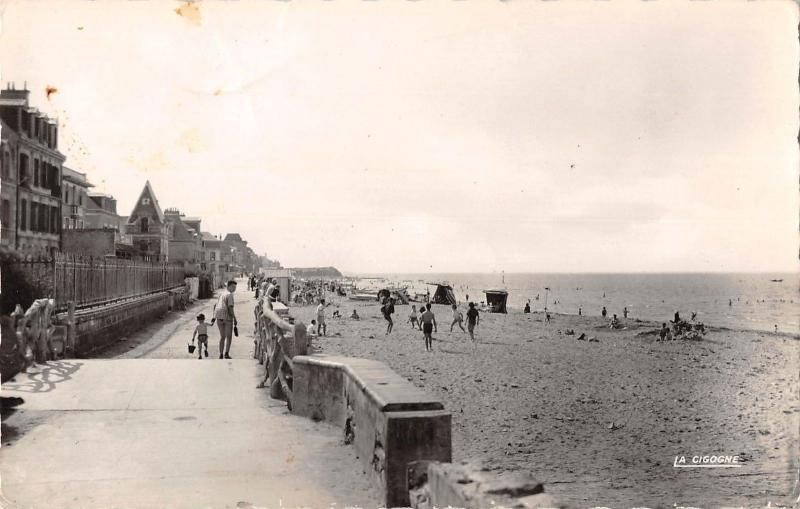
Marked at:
<point>169,432</point>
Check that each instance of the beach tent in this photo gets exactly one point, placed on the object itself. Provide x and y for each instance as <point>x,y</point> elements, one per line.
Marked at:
<point>444,295</point>
<point>496,299</point>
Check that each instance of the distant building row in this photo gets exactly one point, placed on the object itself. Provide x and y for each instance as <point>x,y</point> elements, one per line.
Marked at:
<point>46,206</point>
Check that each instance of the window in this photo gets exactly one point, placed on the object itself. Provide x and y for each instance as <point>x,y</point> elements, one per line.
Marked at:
<point>6,214</point>
<point>145,201</point>
<point>143,224</point>
<point>23,214</point>
<point>34,217</point>
<point>36,172</point>
<point>5,165</point>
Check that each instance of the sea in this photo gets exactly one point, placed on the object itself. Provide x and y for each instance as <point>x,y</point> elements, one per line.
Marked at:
<point>751,301</point>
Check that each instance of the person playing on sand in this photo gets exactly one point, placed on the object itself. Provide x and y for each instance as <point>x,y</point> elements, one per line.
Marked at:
<point>388,310</point>
<point>412,318</point>
<point>458,318</point>
<point>614,322</point>
<point>355,316</point>
<point>428,321</point>
<point>472,320</point>
<point>662,334</point>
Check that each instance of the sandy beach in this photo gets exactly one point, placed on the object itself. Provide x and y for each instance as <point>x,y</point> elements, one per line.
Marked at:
<point>601,423</point>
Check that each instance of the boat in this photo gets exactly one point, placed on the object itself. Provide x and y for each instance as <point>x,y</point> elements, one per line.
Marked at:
<point>777,280</point>
<point>361,296</point>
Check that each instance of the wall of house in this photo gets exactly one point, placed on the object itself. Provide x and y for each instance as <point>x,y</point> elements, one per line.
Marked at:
<point>95,242</point>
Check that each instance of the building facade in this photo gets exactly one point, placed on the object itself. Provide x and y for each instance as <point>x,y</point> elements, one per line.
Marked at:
<point>75,199</point>
<point>36,165</point>
<point>147,227</point>
<point>184,244</point>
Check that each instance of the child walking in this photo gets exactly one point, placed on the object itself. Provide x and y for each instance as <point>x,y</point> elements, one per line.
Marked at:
<point>458,318</point>
<point>201,332</point>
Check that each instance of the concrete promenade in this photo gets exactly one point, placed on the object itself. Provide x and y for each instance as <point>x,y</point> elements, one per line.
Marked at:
<point>169,432</point>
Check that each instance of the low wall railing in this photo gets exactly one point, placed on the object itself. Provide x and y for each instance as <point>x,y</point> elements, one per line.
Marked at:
<point>277,342</point>
<point>32,336</point>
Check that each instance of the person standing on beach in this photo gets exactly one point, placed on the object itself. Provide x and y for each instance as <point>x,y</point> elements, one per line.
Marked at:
<point>322,327</point>
<point>412,318</point>
<point>625,312</point>
<point>226,319</point>
<point>472,320</point>
<point>604,312</point>
<point>428,321</point>
<point>580,311</point>
<point>388,310</point>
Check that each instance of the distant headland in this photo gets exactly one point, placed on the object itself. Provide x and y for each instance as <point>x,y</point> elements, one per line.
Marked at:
<point>316,272</point>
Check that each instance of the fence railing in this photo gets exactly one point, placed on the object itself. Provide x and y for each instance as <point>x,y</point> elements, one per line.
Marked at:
<point>89,281</point>
<point>277,341</point>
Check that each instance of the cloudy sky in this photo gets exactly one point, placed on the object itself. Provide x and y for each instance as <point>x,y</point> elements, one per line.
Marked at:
<point>387,136</point>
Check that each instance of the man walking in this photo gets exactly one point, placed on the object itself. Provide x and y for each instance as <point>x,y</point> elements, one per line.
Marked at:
<point>226,319</point>
<point>472,320</point>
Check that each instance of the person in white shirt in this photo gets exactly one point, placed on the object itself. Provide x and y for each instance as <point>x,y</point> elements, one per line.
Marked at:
<point>226,319</point>
<point>322,328</point>
<point>311,330</point>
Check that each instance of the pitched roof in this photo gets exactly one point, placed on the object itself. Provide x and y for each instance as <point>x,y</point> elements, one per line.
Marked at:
<point>233,237</point>
<point>148,192</point>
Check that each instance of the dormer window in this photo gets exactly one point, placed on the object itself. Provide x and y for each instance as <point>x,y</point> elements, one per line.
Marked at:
<point>145,201</point>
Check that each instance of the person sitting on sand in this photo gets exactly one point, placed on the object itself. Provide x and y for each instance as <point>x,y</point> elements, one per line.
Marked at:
<point>355,316</point>
<point>527,307</point>
<point>311,330</point>
<point>614,322</point>
<point>582,337</point>
<point>336,314</point>
<point>412,318</point>
<point>457,319</point>
<point>428,321</point>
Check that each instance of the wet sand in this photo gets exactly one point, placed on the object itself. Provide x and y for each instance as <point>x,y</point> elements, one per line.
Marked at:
<point>602,422</point>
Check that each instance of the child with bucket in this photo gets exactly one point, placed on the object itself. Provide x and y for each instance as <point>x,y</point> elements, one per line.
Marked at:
<point>201,332</point>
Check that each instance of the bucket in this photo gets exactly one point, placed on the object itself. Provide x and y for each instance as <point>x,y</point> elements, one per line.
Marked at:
<point>191,348</point>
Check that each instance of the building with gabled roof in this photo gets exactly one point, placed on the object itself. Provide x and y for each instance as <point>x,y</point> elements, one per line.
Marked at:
<point>147,227</point>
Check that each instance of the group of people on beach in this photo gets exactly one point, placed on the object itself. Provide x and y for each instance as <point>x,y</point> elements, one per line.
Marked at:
<point>426,321</point>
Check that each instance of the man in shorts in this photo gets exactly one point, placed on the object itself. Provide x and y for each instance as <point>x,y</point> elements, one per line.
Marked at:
<point>388,310</point>
<point>472,320</point>
<point>322,327</point>
<point>226,319</point>
<point>428,321</point>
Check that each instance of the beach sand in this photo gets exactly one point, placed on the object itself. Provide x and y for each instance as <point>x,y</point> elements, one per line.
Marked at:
<point>601,423</point>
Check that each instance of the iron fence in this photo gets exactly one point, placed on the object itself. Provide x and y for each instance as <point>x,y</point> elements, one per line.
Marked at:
<point>90,281</point>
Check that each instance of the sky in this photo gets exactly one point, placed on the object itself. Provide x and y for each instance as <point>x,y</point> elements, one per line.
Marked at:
<point>471,136</point>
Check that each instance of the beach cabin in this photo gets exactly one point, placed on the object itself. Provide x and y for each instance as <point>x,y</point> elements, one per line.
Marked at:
<point>443,295</point>
<point>496,300</point>
<point>283,278</point>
